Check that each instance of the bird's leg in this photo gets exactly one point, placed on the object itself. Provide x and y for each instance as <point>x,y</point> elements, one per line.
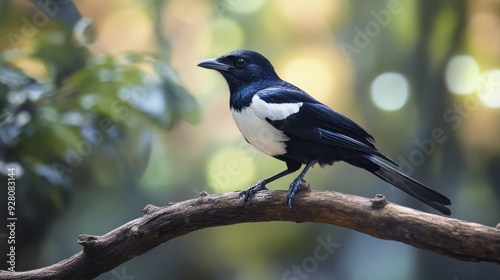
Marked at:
<point>248,193</point>
<point>294,186</point>
<point>261,185</point>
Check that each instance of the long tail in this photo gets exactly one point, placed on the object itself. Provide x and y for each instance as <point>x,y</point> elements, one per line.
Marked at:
<point>414,188</point>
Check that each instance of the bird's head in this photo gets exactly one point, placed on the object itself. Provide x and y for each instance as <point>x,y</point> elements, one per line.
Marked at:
<point>242,68</point>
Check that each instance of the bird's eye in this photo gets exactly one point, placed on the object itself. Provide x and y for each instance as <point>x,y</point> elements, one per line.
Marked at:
<point>240,62</point>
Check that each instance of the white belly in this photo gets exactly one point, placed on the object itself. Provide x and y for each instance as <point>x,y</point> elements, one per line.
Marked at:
<point>253,125</point>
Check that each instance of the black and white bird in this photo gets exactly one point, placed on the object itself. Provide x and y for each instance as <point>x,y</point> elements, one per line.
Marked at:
<point>283,121</point>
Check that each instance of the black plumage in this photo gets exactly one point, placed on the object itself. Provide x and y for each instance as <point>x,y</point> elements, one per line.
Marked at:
<point>285,122</point>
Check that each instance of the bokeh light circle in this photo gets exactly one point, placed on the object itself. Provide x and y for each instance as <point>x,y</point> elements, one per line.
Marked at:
<point>390,91</point>
<point>489,88</point>
<point>462,74</point>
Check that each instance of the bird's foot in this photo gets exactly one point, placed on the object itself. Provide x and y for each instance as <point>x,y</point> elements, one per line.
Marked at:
<point>247,194</point>
<point>295,186</point>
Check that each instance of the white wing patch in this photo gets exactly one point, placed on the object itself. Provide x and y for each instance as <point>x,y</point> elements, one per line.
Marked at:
<point>253,125</point>
<point>274,111</point>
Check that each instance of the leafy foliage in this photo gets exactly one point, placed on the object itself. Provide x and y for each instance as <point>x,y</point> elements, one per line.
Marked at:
<point>89,123</point>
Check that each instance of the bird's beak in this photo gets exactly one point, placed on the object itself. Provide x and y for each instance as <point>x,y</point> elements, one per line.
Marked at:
<point>212,63</point>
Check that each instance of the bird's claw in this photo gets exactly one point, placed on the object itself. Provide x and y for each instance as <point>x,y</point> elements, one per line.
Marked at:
<point>294,188</point>
<point>248,193</point>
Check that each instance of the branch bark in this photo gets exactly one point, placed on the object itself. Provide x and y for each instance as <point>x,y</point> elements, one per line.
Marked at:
<point>458,239</point>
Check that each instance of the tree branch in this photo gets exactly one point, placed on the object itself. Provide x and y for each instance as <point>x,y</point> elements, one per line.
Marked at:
<point>449,237</point>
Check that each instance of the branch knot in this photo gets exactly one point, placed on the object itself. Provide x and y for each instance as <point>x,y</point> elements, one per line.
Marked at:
<point>378,202</point>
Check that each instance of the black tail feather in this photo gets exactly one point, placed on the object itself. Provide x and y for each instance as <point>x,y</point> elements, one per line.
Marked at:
<point>407,184</point>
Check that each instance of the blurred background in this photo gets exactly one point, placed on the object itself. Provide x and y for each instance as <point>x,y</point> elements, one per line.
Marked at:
<point>103,111</point>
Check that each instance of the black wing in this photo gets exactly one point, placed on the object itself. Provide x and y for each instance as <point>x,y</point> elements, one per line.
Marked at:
<point>318,122</point>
